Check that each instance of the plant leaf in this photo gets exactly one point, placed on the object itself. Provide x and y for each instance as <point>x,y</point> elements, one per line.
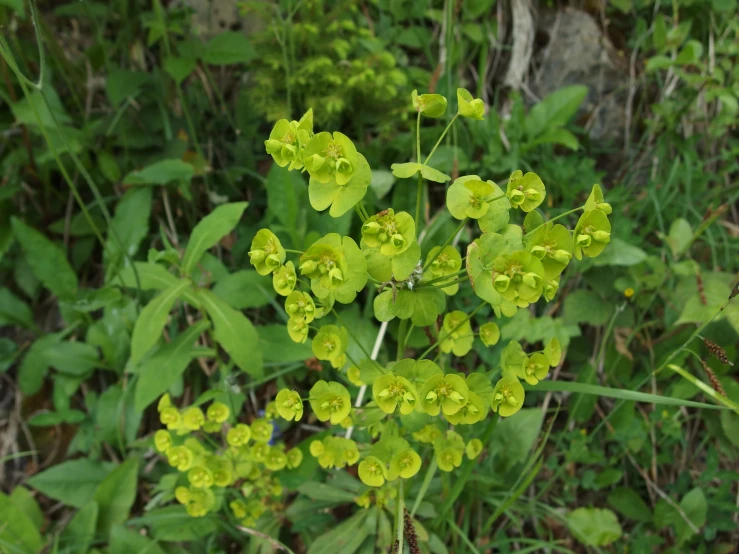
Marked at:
<point>211,229</point>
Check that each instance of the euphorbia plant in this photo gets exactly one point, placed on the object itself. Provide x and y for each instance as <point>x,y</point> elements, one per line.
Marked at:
<point>417,409</point>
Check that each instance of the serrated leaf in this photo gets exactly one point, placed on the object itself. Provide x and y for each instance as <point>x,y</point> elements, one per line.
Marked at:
<point>211,229</point>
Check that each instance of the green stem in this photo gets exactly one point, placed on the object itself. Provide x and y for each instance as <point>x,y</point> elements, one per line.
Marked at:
<point>401,338</point>
<point>452,281</point>
<point>438,142</point>
<point>418,137</point>
<point>442,278</point>
<point>419,199</point>
<point>359,213</point>
<point>430,472</point>
<point>555,219</point>
<point>446,335</point>
<point>447,242</point>
<point>400,521</point>
<point>294,251</point>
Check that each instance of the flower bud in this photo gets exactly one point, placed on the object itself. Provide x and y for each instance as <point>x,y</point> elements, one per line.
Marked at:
<point>532,194</point>
<point>583,241</point>
<point>431,397</point>
<point>256,256</point>
<point>531,279</point>
<point>273,261</point>
<point>511,400</point>
<point>456,397</point>
<point>273,146</point>
<point>562,256</point>
<point>398,240</point>
<point>538,252</point>
<point>517,197</point>
<point>501,283</point>
<point>308,266</point>
<point>382,237</point>
<point>602,236</point>
<point>604,207</point>
<point>371,228</point>
<point>337,278</point>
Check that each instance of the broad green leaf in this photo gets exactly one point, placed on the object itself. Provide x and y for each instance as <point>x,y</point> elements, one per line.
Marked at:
<point>18,533</point>
<point>152,276</point>
<point>514,437</point>
<point>129,227</point>
<point>594,526</point>
<point>245,289</point>
<point>162,370</point>
<point>628,502</point>
<point>382,181</point>
<point>35,365</point>
<point>434,174</point>
<point>174,524</point>
<point>26,503</point>
<point>235,333</point>
<point>74,358</point>
<point>584,306</point>
<point>696,508</point>
<point>8,353</point>
<point>123,83</point>
<point>116,494</point>
<point>679,237</point>
<point>285,193</point>
<point>555,136</point>
<point>72,483</point>
<point>555,110</point>
<point>276,345</point>
<point>13,311</point>
<point>161,173</point>
<point>227,48</point>
<point>211,229</point>
<point>126,541</point>
<point>346,537</point>
<point>658,62</point>
<point>326,492</point>
<point>429,303</point>
<point>48,262</point>
<point>80,531</point>
<point>24,112</point>
<point>620,253</point>
<point>151,320</point>
<point>405,170</point>
<point>55,418</point>
<point>179,68</point>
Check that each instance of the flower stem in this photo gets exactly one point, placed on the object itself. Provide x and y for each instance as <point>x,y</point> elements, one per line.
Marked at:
<point>555,219</point>
<point>425,485</point>
<point>348,330</point>
<point>294,251</point>
<point>359,213</point>
<point>438,142</point>
<point>419,199</point>
<point>401,338</point>
<point>447,242</point>
<point>442,278</point>
<point>400,520</point>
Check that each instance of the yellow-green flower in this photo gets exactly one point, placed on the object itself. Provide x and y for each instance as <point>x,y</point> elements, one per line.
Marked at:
<point>536,368</point>
<point>448,453</point>
<point>405,464</point>
<point>267,253</point>
<point>428,434</point>
<point>294,458</point>
<point>448,262</point>
<point>289,405</point>
<point>223,472</point>
<point>489,333</point>
<point>508,396</point>
<point>238,508</point>
<point>372,471</point>
<point>316,448</point>
<point>180,457</point>
<point>456,333</point>
<point>164,402</point>
<point>261,430</point>
<point>330,344</point>
<point>218,412</point>
<point>389,391</point>
<point>473,449</point>
<point>162,440</point>
<point>193,418</point>
<point>592,234</point>
<point>200,477</point>
<point>525,191</point>
<point>276,459</point>
<point>300,305</point>
<point>284,279</point>
<point>238,435</point>
<point>298,330</point>
<point>170,417</point>
<point>330,401</point>
<point>354,375</point>
<point>201,502</point>
<point>444,392</point>
<point>474,108</point>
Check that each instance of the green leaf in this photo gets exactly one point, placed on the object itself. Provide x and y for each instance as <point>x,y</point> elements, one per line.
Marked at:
<point>161,173</point>
<point>173,523</point>
<point>276,345</point>
<point>555,110</point>
<point>434,174</point>
<point>151,320</point>
<point>34,366</point>
<point>18,533</point>
<point>405,170</point>
<point>152,277</point>
<point>162,370</point>
<point>129,227</point>
<point>627,502</point>
<point>594,526</point>
<point>514,437</point>
<point>245,289</point>
<point>428,304</point>
<point>74,358</point>
<point>55,418</point>
<point>556,136</point>
<point>116,494</point>
<point>72,483</point>
<point>47,260</point>
<point>620,253</point>
<point>584,306</point>
<point>179,68</point>
<point>80,531</point>
<point>623,394</point>
<point>346,537</point>
<point>658,62</point>
<point>326,492</point>
<point>285,192</point>
<point>26,503</point>
<point>228,48</point>
<point>235,333</point>
<point>122,83</point>
<point>209,231</point>
<point>126,541</point>
<point>679,237</point>
<point>695,507</point>
<point>382,181</point>
<point>13,311</point>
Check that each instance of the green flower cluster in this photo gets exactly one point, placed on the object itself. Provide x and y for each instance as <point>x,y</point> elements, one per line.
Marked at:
<point>389,458</point>
<point>334,452</point>
<point>244,464</point>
